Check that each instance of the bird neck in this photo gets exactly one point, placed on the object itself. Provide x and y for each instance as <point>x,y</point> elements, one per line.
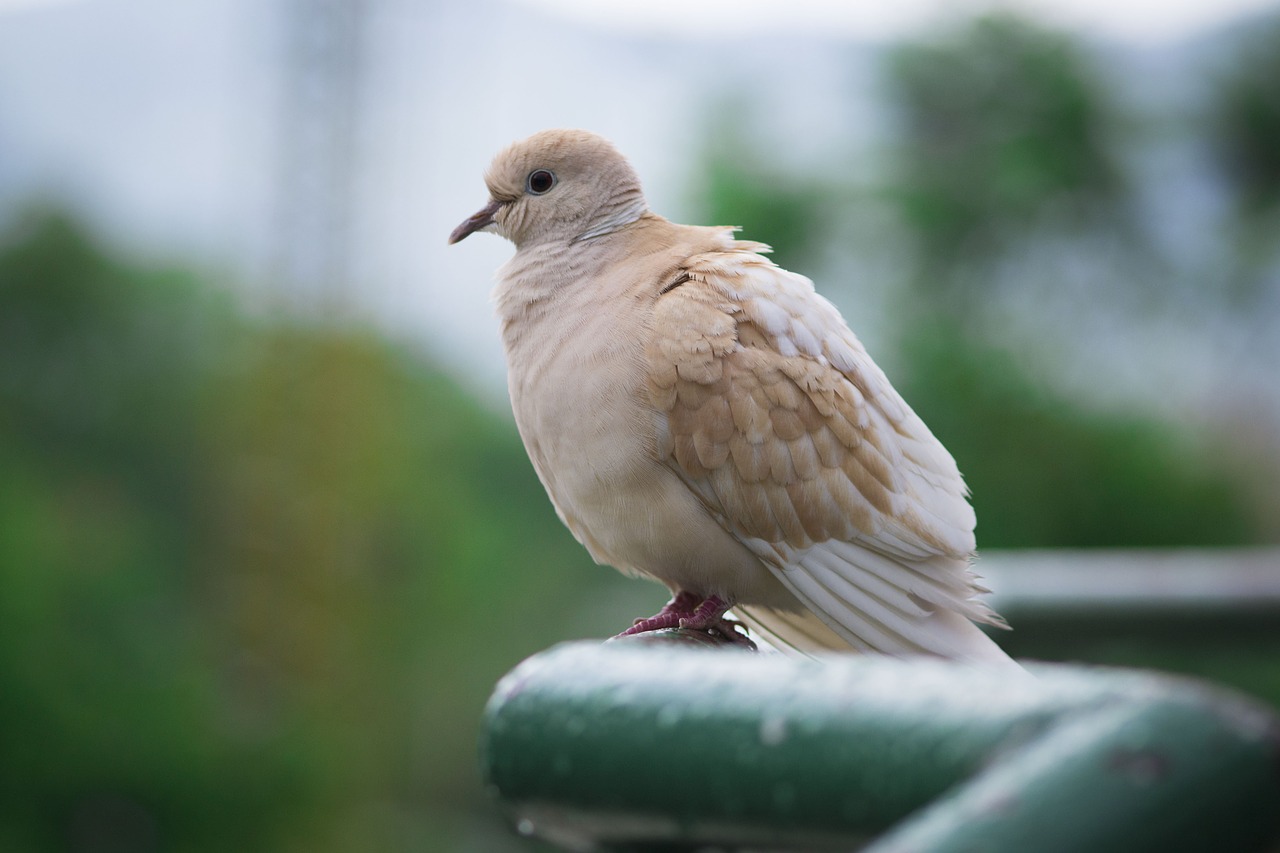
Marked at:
<point>542,277</point>
<point>618,213</point>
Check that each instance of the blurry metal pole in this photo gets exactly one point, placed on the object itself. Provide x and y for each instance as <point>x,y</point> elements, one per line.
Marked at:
<point>656,746</point>
<point>1180,607</point>
<point>1133,581</point>
<point>318,123</point>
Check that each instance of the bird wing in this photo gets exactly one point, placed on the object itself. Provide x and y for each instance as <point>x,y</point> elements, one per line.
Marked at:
<point>773,413</point>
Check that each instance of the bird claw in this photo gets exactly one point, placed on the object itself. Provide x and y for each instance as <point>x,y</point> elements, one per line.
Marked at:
<point>734,632</point>
<point>653,623</point>
<point>689,612</point>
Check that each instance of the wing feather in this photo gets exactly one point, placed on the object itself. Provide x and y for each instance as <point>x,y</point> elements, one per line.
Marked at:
<point>773,413</point>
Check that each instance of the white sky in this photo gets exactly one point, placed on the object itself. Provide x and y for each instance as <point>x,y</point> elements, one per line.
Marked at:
<point>1136,20</point>
<point>11,5</point>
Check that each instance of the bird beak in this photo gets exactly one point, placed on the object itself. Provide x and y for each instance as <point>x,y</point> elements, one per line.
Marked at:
<point>477,221</point>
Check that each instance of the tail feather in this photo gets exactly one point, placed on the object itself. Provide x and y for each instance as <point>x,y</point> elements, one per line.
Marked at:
<point>800,631</point>
<point>944,582</point>
<point>874,602</point>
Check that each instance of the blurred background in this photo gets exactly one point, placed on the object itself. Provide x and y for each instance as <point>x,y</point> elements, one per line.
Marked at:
<point>267,533</point>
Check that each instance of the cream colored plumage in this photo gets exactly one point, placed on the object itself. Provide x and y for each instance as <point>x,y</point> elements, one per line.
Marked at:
<point>701,416</point>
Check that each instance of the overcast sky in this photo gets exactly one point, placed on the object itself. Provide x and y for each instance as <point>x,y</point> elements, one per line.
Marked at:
<point>1137,20</point>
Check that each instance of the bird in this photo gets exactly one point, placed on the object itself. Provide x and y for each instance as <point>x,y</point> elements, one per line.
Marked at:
<point>701,417</point>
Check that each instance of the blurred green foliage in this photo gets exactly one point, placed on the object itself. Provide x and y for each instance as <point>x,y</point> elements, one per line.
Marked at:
<point>747,189</point>
<point>1005,140</point>
<point>1245,126</point>
<point>259,578</point>
<point>1001,124</point>
<point>1046,472</point>
<point>1244,140</point>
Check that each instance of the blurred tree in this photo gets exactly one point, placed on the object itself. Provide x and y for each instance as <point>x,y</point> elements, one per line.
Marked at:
<point>259,578</point>
<point>1243,125</point>
<point>1003,146</point>
<point>1046,472</point>
<point>1246,125</point>
<point>1002,130</point>
<point>107,716</point>
<point>746,188</point>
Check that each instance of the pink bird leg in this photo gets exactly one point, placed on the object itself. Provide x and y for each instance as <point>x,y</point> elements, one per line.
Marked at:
<point>692,612</point>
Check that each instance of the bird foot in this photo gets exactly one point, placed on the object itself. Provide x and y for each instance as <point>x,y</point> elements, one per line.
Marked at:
<point>681,607</point>
<point>687,611</point>
<point>732,631</point>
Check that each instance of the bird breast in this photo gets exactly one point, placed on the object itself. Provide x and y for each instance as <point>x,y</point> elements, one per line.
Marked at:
<point>576,375</point>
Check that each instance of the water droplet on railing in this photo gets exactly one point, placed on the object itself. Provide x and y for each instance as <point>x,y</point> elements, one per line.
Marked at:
<point>773,731</point>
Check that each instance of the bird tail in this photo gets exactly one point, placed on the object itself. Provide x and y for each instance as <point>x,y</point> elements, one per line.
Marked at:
<point>872,602</point>
<point>800,631</point>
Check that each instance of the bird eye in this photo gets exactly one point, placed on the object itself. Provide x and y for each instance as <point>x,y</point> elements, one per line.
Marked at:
<point>540,181</point>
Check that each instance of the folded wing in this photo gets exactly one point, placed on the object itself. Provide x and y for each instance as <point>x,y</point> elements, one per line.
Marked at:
<point>773,413</point>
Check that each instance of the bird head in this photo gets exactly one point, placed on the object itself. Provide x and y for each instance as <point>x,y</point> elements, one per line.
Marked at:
<point>566,185</point>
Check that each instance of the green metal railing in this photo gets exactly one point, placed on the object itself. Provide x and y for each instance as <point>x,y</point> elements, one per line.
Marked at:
<point>650,745</point>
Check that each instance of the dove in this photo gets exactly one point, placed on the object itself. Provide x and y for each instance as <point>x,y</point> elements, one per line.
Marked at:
<point>701,417</point>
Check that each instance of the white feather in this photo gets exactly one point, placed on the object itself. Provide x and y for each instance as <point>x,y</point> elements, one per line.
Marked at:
<point>873,602</point>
